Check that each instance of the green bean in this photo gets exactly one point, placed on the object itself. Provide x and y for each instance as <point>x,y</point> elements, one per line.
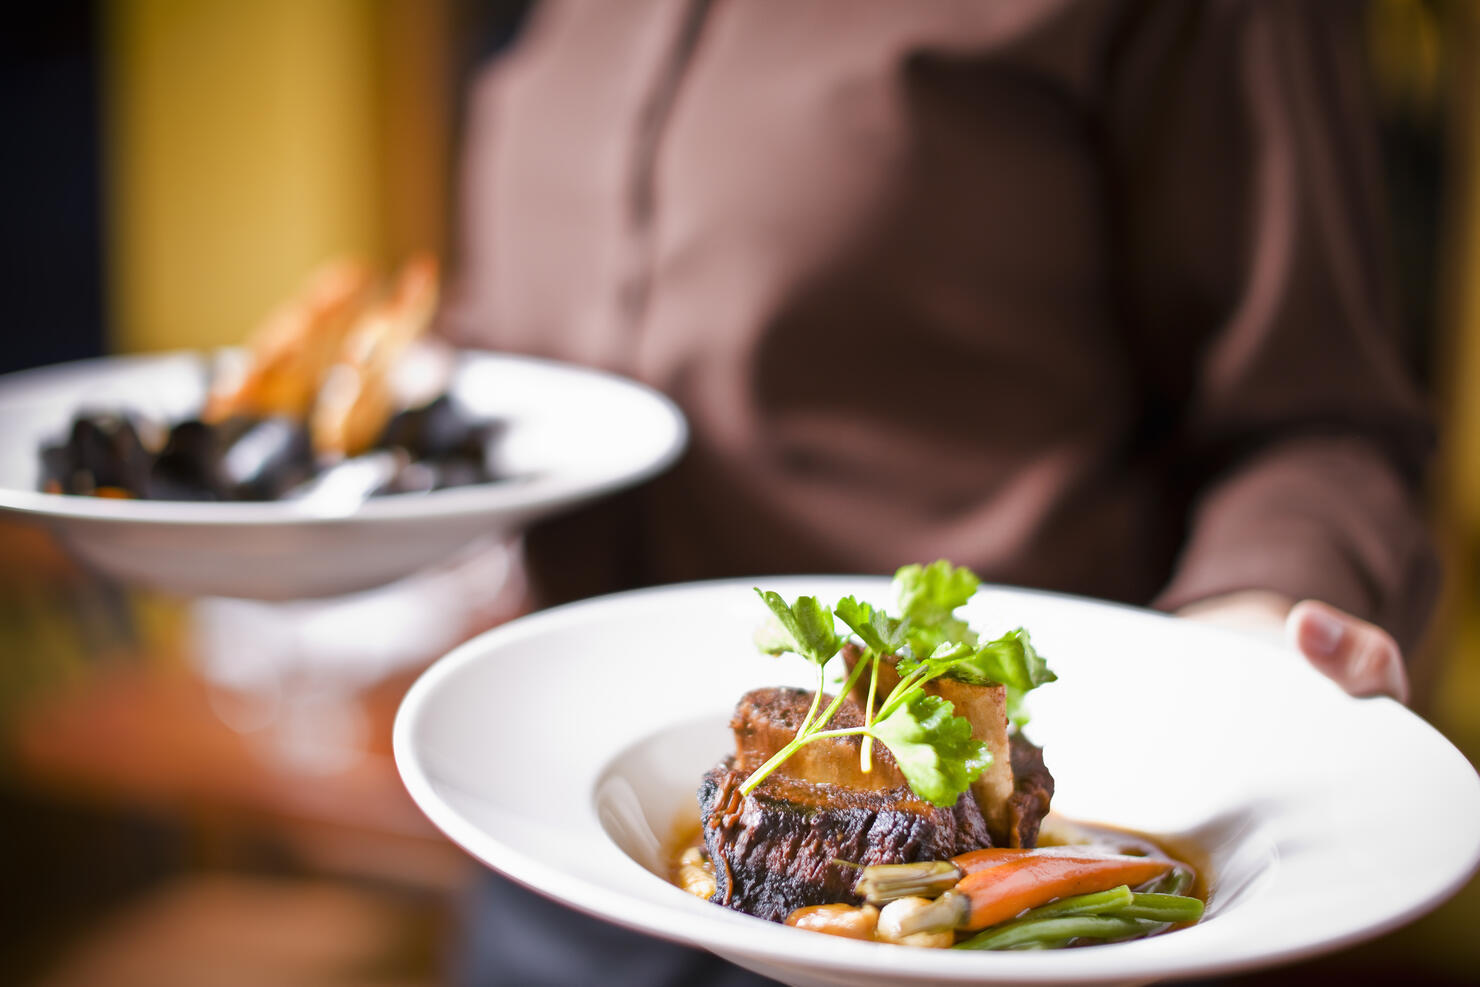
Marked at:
<point>1098,903</point>
<point>1031,933</point>
<point>1114,914</point>
<point>1173,908</point>
<point>1177,881</point>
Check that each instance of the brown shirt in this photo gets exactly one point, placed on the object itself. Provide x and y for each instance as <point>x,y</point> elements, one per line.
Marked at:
<point>1085,295</point>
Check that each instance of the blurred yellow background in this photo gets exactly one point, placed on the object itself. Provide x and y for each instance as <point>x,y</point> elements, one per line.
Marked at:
<point>245,143</point>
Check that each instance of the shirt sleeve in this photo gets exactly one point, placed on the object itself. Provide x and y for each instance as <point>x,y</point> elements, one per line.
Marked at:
<point>1257,301</point>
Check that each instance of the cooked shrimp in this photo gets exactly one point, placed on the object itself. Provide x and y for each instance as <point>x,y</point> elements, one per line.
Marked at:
<point>357,398</point>
<point>288,354</point>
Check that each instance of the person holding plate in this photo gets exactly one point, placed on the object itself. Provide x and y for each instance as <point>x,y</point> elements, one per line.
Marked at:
<point>1084,296</point>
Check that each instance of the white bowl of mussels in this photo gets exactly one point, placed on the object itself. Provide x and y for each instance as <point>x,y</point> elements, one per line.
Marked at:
<point>113,456</point>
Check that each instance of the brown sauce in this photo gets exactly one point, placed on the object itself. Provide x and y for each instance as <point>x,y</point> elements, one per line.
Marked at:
<point>687,832</point>
<point>1057,830</point>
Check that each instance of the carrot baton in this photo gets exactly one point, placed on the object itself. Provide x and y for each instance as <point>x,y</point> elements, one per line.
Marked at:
<point>881,883</point>
<point>997,893</point>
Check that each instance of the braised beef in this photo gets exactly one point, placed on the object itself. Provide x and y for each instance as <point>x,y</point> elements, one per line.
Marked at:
<point>1032,791</point>
<point>985,707</point>
<point>766,720</point>
<point>777,849</point>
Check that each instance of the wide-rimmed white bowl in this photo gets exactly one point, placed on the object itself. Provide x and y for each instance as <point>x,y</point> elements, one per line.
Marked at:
<point>564,748</point>
<point>572,435</point>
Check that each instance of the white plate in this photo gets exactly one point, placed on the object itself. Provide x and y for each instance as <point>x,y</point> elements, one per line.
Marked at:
<point>563,748</point>
<point>572,435</point>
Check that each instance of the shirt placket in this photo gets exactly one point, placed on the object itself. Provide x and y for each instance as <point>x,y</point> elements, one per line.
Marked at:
<point>637,250</point>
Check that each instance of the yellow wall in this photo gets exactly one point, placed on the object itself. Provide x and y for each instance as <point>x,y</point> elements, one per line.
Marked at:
<point>248,141</point>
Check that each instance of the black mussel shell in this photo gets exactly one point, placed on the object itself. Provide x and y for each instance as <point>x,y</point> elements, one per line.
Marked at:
<point>461,472</point>
<point>268,459</point>
<point>435,446</point>
<point>413,476</point>
<point>189,466</point>
<point>103,452</point>
<point>238,459</point>
<point>426,475</point>
<point>440,429</point>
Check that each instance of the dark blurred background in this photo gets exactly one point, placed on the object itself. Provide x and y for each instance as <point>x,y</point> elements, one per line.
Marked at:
<point>173,168</point>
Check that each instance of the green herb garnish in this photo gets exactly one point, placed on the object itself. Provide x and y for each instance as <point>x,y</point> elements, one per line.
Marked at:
<point>932,746</point>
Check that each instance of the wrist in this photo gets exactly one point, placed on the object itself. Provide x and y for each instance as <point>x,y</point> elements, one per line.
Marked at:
<point>1255,611</point>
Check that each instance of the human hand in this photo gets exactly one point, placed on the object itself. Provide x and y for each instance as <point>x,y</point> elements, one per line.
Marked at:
<point>1359,656</point>
<point>1362,657</point>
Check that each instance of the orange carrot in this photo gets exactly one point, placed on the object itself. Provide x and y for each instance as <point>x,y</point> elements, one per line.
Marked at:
<point>974,860</point>
<point>881,883</point>
<point>997,893</point>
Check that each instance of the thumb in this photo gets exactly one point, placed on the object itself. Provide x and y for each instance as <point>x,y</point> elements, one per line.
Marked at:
<point>1361,657</point>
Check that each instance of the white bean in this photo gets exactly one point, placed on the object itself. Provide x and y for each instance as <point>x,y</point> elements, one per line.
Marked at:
<point>893,914</point>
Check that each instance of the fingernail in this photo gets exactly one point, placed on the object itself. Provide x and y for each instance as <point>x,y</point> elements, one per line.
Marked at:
<point>1320,633</point>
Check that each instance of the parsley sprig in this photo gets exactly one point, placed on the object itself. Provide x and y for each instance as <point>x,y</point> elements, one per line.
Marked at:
<point>931,744</point>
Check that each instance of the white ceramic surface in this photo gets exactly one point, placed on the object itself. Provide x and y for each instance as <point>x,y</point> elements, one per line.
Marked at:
<point>572,435</point>
<point>564,748</point>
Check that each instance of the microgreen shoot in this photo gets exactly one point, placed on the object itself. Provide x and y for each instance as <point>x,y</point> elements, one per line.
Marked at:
<point>928,597</point>
<point>881,635</point>
<point>810,631</point>
<point>810,625</point>
<point>932,746</point>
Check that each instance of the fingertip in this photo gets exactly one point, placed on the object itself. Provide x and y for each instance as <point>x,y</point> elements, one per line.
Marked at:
<point>1361,657</point>
<point>1380,665</point>
<point>1317,631</point>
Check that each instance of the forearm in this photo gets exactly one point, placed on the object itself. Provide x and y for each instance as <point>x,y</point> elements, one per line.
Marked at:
<point>1315,518</point>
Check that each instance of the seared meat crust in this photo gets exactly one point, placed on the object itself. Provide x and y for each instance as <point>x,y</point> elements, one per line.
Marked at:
<point>1032,791</point>
<point>777,849</point>
<point>766,720</point>
<point>774,851</point>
